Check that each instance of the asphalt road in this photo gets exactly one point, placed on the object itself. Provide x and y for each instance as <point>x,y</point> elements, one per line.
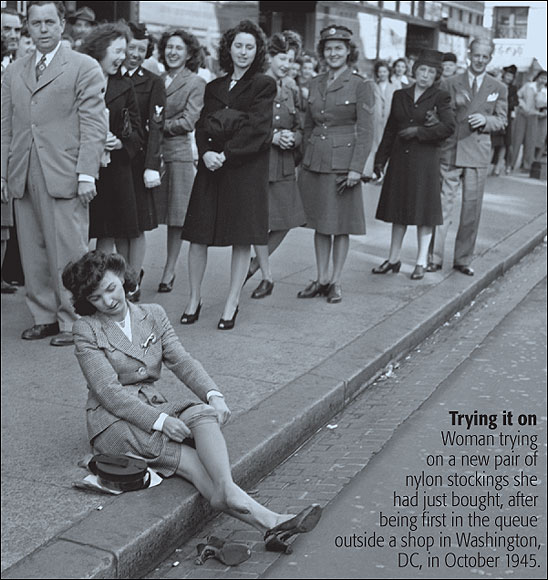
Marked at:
<point>505,372</point>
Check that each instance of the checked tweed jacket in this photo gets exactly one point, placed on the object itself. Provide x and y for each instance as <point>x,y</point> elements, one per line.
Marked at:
<point>121,374</point>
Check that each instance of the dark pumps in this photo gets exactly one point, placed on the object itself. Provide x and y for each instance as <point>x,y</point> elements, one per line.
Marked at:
<point>386,266</point>
<point>191,318</point>
<point>135,296</point>
<point>418,273</point>
<point>228,553</point>
<point>166,287</point>
<point>276,539</point>
<point>263,289</point>
<point>228,324</point>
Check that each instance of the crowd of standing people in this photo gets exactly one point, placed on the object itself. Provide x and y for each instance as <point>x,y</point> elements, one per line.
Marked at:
<point>282,139</point>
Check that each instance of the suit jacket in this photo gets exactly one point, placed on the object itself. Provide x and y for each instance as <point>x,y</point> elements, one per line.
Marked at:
<point>120,374</point>
<point>468,147</point>
<point>151,98</point>
<point>338,130</point>
<point>63,113</point>
<point>185,99</point>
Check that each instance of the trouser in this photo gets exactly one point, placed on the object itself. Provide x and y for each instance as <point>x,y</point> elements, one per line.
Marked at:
<point>524,132</point>
<point>52,232</point>
<point>473,184</point>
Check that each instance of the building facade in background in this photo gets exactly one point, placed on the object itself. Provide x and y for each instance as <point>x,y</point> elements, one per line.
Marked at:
<point>382,30</point>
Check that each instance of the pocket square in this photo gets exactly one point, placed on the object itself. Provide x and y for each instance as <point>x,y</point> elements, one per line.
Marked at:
<point>492,97</point>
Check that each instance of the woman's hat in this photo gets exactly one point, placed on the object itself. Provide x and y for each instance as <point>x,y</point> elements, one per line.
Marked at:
<point>336,32</point>
<point>449,57</point>
<point>84,13</point>
<point>512,69</point>
<point>430,57</point>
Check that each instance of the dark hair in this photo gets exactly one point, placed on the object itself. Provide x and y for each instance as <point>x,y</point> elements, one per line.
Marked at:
<point>352,55</point>
<point>246,27</point>
<point>192,45</point>
<point>139,32</point>
<point>101,37</point>
<point>14,12</point>
<point>83,277</point>
<point>283,42</point>
<point>59,6</point>
<point>404,62</point>
<point>25,31</point>
<point>418,63</point>
<point>380,64</point>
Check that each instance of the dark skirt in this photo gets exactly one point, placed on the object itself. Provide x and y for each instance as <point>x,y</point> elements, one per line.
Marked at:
<point>113,211</point>
<point>144,198</point>
<point>328,212</point>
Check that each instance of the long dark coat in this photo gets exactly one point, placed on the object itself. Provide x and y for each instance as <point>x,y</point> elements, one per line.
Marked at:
<point>151,98</point>
<point>113,212</point>
<point>411,189</point>
<point>230,206</point>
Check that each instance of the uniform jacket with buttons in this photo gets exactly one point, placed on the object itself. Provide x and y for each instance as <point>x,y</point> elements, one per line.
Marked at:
<point>338,131</point>
<point>121,374</point>
<point>287,115</point>
<point>468,147</point>
<point>151,98</point>
<point>185,100</point>
<point>63,113</point>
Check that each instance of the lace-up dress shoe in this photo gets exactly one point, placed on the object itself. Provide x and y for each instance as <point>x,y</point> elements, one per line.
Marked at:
<point>62,339</point>
<point>334,295</point>
<point>39,331</point>
<point>263,289</point>
<point>314,289</point>
<point>464,269</point>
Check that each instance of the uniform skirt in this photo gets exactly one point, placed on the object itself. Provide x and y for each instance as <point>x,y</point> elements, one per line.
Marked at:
<point>285,208</point>
<point>144,198</point>
<point>328,212</point>
<point>173,194</point>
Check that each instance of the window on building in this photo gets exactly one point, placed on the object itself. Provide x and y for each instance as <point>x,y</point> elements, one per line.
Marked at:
<point>511,21</point>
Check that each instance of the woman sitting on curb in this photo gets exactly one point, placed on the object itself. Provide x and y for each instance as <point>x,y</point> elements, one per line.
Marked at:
<point>120,348</point>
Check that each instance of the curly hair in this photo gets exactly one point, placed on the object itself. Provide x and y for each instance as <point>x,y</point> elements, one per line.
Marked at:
<point>246,27</point>
<point>397,61</point>
<point>283,42</point>
<point>102,36</point>
<point>82,278</point>
<point>353,53</point>
<point>192,44</point>
<point>380,64</point>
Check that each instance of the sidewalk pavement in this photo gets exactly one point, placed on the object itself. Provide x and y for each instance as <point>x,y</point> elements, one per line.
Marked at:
<point>286,368</point>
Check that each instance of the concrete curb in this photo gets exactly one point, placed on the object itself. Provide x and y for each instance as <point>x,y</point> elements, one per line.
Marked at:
<point>122,542</point>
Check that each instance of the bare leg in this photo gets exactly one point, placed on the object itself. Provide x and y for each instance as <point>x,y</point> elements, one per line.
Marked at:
<point>258,516</point>
<point>341,244</point>
<point>275,238</point>
<point>122,247</point>
<point>197,262</point>
<point>398,232</point>
<point>174,243</point>
<point>238,270</point>
<point>424,235</point>
<point>105,245</point>
<point>322,247</point>
<point>137,250</point>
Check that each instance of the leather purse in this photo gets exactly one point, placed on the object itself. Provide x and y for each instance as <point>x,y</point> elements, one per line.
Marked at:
<point>120,472</point>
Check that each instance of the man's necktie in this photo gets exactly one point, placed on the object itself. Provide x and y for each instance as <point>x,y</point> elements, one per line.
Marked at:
<point>40,67</point>
<point>475,86</point>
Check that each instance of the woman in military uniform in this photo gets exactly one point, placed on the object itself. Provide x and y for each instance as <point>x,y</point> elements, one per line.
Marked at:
<point>338,137</point>
<point>284,200</point>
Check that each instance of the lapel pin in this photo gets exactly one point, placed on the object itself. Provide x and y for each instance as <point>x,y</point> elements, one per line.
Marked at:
<point>150,340</point>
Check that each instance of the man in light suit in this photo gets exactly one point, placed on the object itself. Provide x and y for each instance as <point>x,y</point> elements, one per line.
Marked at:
<point>480,104</point>
<point>54,129</point>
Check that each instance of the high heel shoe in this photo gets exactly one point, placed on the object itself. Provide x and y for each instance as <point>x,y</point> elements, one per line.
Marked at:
<point>276,538</point>
<point>166,287</point>
<point>135,295</point>
<point>228,553</point>
<point>386,266</point>
<point>228,324</point>
<point>191,318</point>
<point>418,273</point>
